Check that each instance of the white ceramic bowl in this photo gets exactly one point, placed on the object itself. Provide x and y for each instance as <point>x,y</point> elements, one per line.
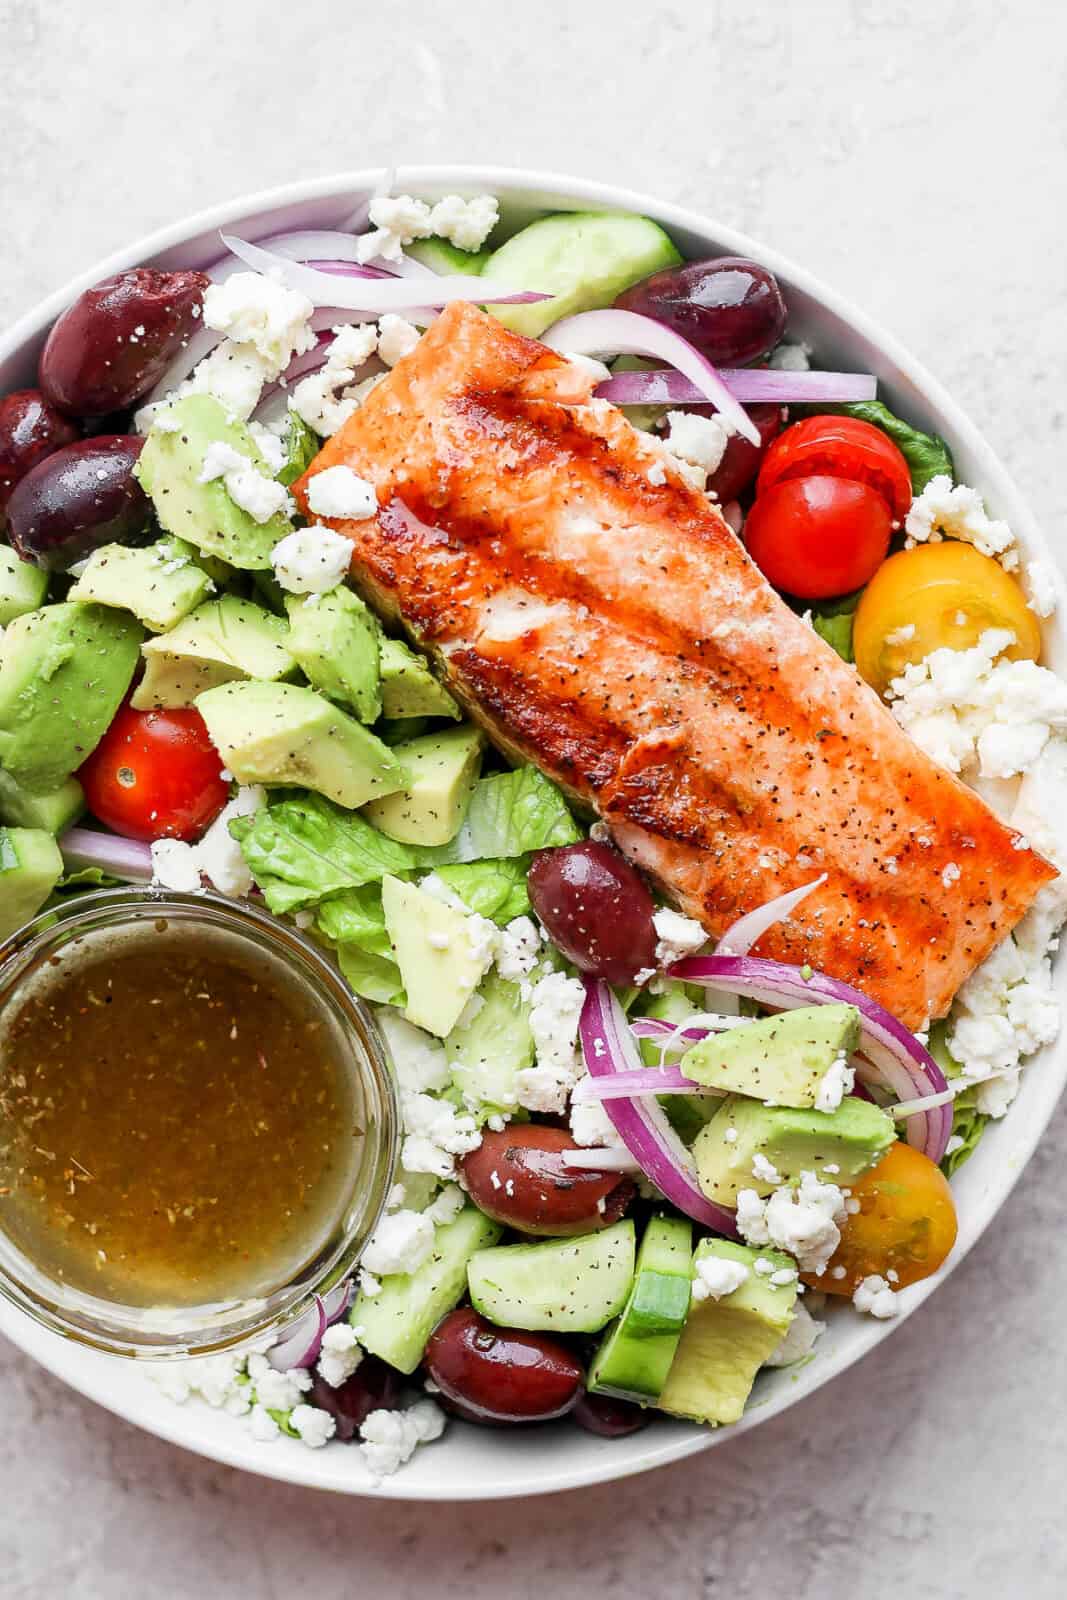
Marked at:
<point>469,1463</point>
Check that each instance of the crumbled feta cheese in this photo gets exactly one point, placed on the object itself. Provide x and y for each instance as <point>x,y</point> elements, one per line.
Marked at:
<point>269,444</point>
<point>398,221</point>
<point>799,1341</point>
<point>419,1058</point>
<point>592,1127</point>
<point>955,1143</point>
<point>340,1354</point>
<point>246,486</point>
<point>465,223</point>
<point>1041,583</point>
<point>311,560</point>
<point>397,338</point>
<point>1006,1010</point>
<point>313,1425</point>
<point>435,1133</point>
<point>278,1391</point>
<point>714,1277</point>
<point>519,950</point>
<point>968,708</point>
<point>837,1082</point>
<point>340,492</point>
<point>698,441</point>
<point>958,512</point>
<point>369,1284</point>
<point>765,1170</point>
<point>802,1221</point>
<point>252,309</point>
<point>875,1296</point>
<point>791,358</point>
<point>326,399</point>
<point>447,1206</point>
<point>175,866</point>
<point>264,1429</point>
<point>555,1008</point>
<point>677,936</point>
<point>216,1379</point>
<point>218,854</point>
<point>483,938</point>
<point>234,374</point>
<point>390,1438</point>
<point>401,1242</point>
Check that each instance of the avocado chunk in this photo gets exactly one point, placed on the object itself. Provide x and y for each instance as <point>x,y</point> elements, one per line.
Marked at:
<point>573,1285</point>
<point>636,1354</point>
<point>439,961</point>
<point>447,259</point>
<point>781,1060</point>
<point>851,1139</point>
<point>169,468</point>
<point>409,688</point>
<point>443,769</point>
<point>53,811</point>
<point>22,586</point>
<point>396,1322</point>
<point>282,733</point>
<point>487,1053</point>
<point>160,583</point>
<point>583,259</point>
<point>220,641</point>
<point>334,639</point>
<point>64,671</point>
<point>726,1341</point>
<point>30,868</point>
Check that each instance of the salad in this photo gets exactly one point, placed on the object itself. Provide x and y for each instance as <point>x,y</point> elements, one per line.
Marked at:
<point>668,1096</point>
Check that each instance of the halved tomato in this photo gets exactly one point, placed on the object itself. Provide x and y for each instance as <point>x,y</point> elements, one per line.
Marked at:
<point>840,447</point>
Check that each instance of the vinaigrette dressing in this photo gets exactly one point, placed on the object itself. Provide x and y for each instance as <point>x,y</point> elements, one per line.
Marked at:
<point>177,1127</point>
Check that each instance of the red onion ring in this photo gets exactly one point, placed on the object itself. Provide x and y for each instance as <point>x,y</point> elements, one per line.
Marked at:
<point>752,385</point>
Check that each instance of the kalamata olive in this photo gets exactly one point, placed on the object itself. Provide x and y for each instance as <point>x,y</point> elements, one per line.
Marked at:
<point>30,429</point>
<point>610,1418</point>
<point>730,308</point>
<point>595,908</point>
<point>500,1375</point>
<point>118,338</point>
<point>77,499</point>
<point>518,1177</point>
<point>741,459</point>
<point>373,1386</point>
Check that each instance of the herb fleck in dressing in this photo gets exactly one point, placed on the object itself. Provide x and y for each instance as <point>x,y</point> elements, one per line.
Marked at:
<point>176,1124</point>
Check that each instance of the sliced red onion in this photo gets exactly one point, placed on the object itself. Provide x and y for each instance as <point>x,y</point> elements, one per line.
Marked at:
<point>642,1125</point>
<point>127,859</point>
<point>685,1033</point>
<point>752,385</point>
<point>743,934</point>
<point>892,1051</point>
<point>598,1160</point>
<point>929,1102</point>
<point>648,1080</point>
<point>301,1345</point>
<point>377,294</point>
<point>626,333</point>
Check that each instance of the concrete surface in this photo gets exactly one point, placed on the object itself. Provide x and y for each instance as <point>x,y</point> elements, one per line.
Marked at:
<point>914,155</point>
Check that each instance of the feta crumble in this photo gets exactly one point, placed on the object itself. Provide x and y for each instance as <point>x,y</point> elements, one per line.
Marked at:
<point>401,1242</point>
<point>802,1221</point>
<point>261,497</point>
<point>314,1426</point>
<point>837,1082</point>
<point>435,1133</point>
<point>390,1438</point>
<point>1041,587</point>
<point>519,950</point>
<point>592,1128</point>
<point>958,512</point>
<point>1007,1009</point>
<point>340,492</point>
<point>799,1341</point>
<point>398,221</point>
<point>714,1277</point>
<point>397,338</point>
<point>555,1008</point>
<point>765,1170</point>
<point>465,223</point>
<point>698,441</point>
<point>340,1354</point>
<point>875,1297</point>
<point>253,309</point>
<point>677,936</point>
<point>175,866</point>
<point>419,1058</point>
<point>326,399</point>
<point>311,560</point>
<point>791,358</point>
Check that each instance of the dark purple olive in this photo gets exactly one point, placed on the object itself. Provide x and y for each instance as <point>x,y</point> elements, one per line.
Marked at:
<point>608,1417</point>
<point>30,429</point>
<point>730,308</point>
<point>500,1375</point>
<point>741,459</point>
<point>595,908</point>
<point>83,496</point>
<point>116,341</point>
<point>517,1176</point>
<point>373,1386</point>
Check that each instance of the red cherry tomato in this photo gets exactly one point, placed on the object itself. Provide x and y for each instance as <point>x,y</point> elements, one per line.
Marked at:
<point>818,537</point>
<point>840,447</point>
<point>155,775</point>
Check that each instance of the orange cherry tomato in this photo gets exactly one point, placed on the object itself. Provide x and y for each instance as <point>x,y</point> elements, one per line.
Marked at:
<point>905,1225</point>
<point>840,447</point>
<point>937,595</point>
<point>155,775</point>
<point>818,537</point>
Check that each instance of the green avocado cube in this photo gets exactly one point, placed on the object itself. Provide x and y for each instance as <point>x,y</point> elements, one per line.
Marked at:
<point>334,638</point>
<point>836,1145</point>
<point>409,688</point>
<point>443,769</point>
<point>53,811</point>
<point>219,642</point>
<point>160,583</point>
<point>440,964</point>
<point>30,868</point>
<point>783,1059</point>
<point>22,586</point>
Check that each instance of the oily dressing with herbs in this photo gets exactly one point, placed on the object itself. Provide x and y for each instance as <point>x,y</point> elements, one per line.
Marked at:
<point>178,1126</point>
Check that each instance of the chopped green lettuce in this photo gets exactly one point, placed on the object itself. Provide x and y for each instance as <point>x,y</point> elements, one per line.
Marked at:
<point>927,455</point>
<point>374,977</point>
<point>511,813</point>
<point>354,923</point>
<point>303,848</point>
<point>302,445</point>
<point>494,889</point>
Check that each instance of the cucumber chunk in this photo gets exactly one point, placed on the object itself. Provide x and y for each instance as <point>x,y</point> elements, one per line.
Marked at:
<point>396,1323</point>
<point>583,259</point>
<point>565,1285</point>
<point>636,1355</point>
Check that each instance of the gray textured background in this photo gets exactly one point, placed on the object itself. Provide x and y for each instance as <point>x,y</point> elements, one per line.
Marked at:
<point>913,154</point>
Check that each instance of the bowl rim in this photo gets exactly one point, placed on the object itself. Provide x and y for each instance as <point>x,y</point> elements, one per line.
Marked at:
<point>290,1462</point>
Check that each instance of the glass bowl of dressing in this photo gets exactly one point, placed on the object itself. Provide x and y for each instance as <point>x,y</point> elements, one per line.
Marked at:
<point>197,1122</point>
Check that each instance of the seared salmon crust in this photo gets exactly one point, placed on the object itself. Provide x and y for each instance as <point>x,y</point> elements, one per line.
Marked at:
<point>597,615</point>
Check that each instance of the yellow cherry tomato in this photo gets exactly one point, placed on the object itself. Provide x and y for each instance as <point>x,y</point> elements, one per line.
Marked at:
<point>906,1224</point>
<point>935,595</point>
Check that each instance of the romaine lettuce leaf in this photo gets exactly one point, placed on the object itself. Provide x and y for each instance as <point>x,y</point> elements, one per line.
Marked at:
<point>354,923</point>
<point>303,848</point>
<point>373,977</point>
<point>510,814</point>
<point>495,889</point>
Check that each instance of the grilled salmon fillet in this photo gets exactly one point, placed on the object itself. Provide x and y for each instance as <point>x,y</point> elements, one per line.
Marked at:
<point>596,614</point>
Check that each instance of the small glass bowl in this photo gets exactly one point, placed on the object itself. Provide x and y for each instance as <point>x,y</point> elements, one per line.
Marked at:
<point>159,1332</point>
